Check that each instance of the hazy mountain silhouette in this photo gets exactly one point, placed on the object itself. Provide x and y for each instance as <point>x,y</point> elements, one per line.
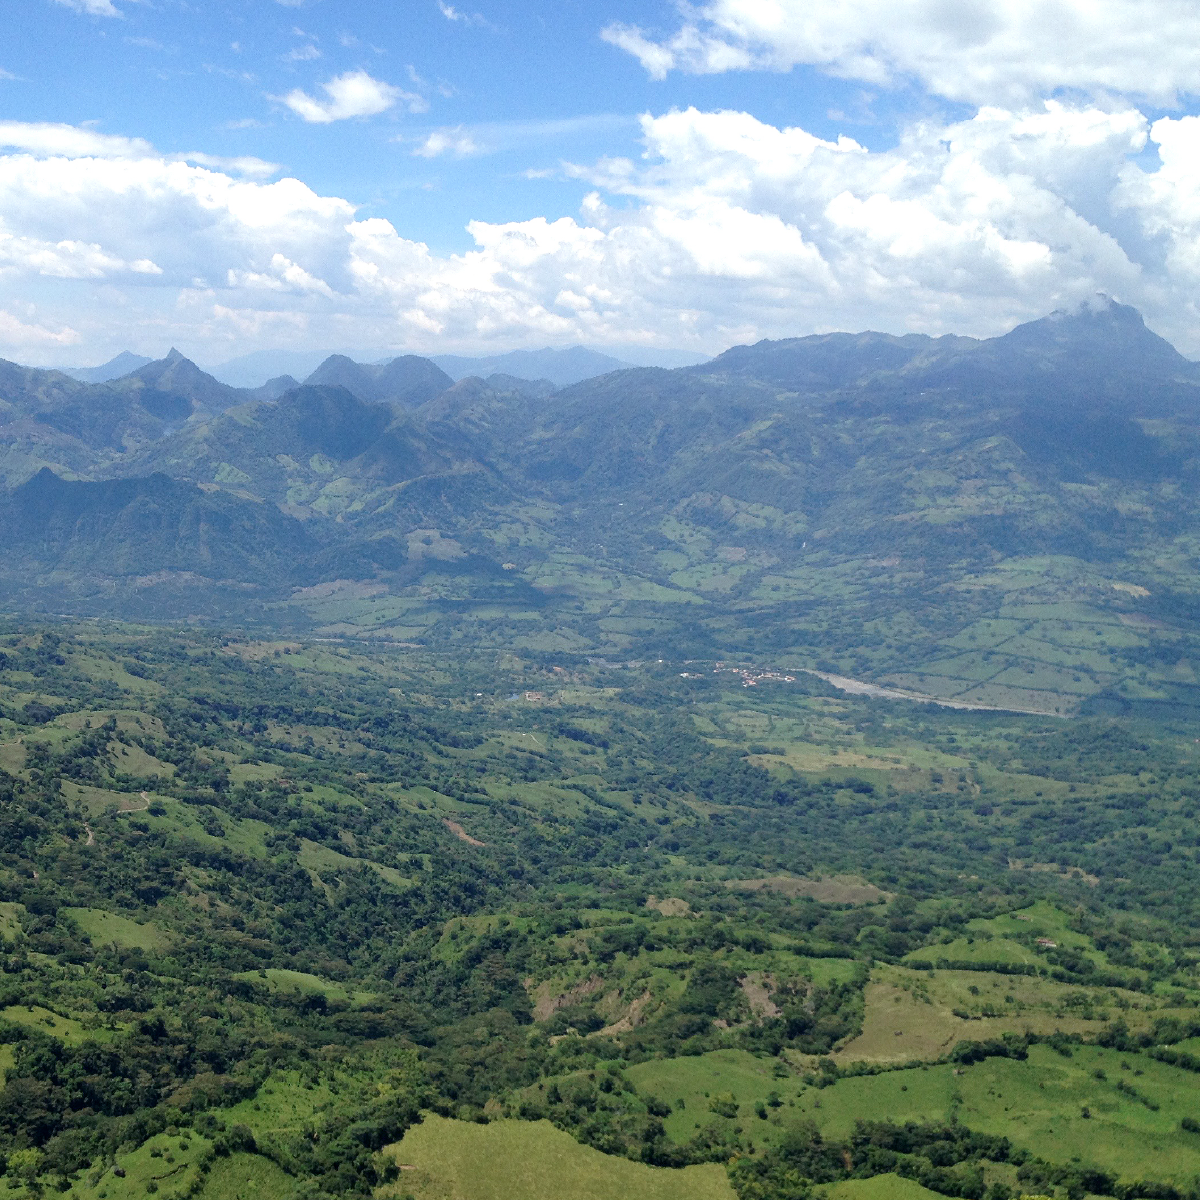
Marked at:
<point>122,364</point>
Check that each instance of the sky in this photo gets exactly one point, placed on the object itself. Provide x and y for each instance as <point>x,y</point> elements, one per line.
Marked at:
<point>634,175</point>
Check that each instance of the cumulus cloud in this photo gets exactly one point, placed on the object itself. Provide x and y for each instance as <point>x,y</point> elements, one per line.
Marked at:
<point>978,51</point>
<point>353,94</point>
<point>727,229</point>
<point>67,259</point>
<point>241,164</point>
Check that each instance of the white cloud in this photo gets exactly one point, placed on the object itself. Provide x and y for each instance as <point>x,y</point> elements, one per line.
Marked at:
<point>728,229</point>
<point>70,141</point>
<point>282,275</point>
<point>46,140</point>
<point>17,333</point>
<point>67,259</point>
<point>305,53</point>
<point>457,142</point>
<point>456,14</point>
<point>242,164</point>
<point>94,8</point>
<point>490,137</point>
<point>354,94</point>
<point>979,51</point>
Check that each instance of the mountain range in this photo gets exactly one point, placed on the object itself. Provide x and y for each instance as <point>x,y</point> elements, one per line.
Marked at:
<point>1010,520</point>
<point>558,366</point>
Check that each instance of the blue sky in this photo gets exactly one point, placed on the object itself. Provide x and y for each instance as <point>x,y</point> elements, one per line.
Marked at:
<point>483,176</point>
<point>531,83</point>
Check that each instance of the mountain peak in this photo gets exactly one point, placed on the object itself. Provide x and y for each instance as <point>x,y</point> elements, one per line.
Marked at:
<point>173,356</point>
<point>1099,309</point>
<point>1102,332</point>
<point>123,364</point>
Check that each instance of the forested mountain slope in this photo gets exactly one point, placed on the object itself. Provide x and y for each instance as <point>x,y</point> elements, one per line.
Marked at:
<point>1011,521</point>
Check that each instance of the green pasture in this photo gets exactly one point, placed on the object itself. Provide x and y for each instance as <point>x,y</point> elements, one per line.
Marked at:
<point>279,979</point>
<point>105,928</point>
<point>692,1084</point>
<point>246,1177</point>
<point>286,1101</point>
<point>170,1165</point>
<point>66,1029</point>
<point>10,921</point>
<point>519,1160</point>
<point>1052,1105</point>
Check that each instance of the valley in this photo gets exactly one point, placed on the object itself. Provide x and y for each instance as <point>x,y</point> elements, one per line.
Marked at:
<point>375,917</point>
<point>770,779</point>
<point>1008,523</point>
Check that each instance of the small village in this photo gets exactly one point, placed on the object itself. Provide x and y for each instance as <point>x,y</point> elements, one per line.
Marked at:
<point>750,676</point>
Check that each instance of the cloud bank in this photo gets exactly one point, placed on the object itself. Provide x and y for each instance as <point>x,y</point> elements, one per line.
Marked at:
<point>977,51</point>
<point>728,229</point>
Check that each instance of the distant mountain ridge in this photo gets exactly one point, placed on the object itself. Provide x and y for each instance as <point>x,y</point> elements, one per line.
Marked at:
<point>122,364</point>
<point>793,493</point>
<point>408,380</point>
<point>560,367</point>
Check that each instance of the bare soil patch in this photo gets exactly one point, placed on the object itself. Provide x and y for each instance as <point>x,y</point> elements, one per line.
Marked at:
<point>459,832</point>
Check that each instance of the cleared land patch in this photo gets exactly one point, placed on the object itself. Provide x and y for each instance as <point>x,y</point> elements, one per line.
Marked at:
<point>167,1163</point>
<point>441,1159</point>
<point>105,928</point>
<point>913,1015</point>
<point>246,1177</point>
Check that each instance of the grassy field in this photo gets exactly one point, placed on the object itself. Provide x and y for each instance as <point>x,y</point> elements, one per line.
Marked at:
<point>168,1164</point>
<point>692,1084</point>
<point>285,1102</point>
<point>922,1014</point>
<point>1050,1104</point>
<point>839,889</point>
<point>105,928</point>
<point>246,1177</point>
<point>10,921</point>
<point>1121,1112</point>
<point>442,1159</point>
<point>65,1029</point>
<point>279,979</point>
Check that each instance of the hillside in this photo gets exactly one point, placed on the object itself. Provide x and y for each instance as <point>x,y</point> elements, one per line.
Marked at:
<point>309,919</point>
<point>1007,522</point>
